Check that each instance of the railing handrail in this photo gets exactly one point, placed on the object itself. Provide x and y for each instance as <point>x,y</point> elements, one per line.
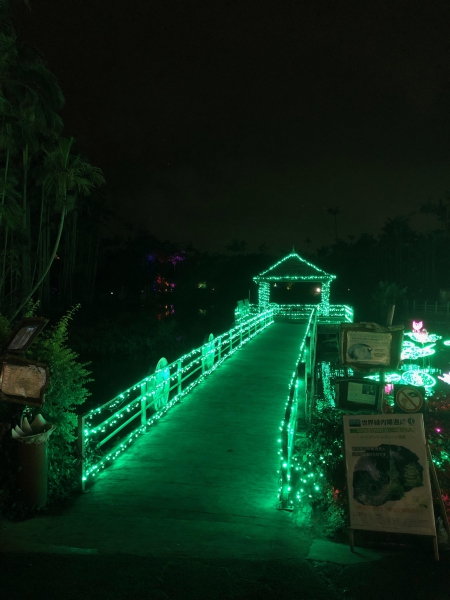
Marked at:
<point>289,423</point>
<point>174,363</point>
<point>189,366</point>
<point>334,311</point>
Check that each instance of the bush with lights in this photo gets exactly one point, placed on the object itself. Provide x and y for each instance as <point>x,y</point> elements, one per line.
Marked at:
<point>319,471</point>
<point>319,477</point>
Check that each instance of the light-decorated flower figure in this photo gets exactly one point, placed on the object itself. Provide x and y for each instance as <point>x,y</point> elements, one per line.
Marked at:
<point>417,326</point>
<point>412,352</point>
<point>421,335</point>
<point>445,377</point>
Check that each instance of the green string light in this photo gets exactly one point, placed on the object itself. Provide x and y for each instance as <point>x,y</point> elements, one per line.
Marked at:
<point>288,425</point>
<point>226,345</point>
<point>268,276</point>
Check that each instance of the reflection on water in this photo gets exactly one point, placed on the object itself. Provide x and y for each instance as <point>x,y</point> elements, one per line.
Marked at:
<point>113,376</point>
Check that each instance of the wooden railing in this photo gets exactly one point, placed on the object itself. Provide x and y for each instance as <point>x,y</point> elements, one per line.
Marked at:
<point>338,313</point>
<point>437,308</point>
<point>108,430</point>
<point>298,405</point>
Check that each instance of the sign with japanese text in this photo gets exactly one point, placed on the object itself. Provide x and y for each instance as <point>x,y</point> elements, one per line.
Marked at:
<point>387,474</point>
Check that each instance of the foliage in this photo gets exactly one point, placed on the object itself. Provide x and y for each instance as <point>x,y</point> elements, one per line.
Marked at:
<point>67,391</point>
<point>320,471</point>
<point>437,420</point>
<point>68,378</point>
<point>387,294</point>
<point>320,467</point>
<point>42,181</point>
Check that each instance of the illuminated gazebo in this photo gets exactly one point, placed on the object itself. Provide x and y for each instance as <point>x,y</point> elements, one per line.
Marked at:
<point>292,269</point>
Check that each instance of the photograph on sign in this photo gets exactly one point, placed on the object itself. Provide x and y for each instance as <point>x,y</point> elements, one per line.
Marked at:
<point>357,394</point>
<point>26,381</point>
<point>387,474</point>
<point>367,347</point>
<point>362,393</point>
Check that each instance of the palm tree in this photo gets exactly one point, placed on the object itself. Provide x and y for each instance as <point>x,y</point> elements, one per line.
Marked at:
<point>66,175</point>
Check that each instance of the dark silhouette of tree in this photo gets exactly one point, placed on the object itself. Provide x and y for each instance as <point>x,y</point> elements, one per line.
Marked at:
<point>334,212</point>
<point>237,246</point>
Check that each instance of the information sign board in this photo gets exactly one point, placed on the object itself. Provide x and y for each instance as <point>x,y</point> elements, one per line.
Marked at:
<point>387,474</point>
<point>368,346</point>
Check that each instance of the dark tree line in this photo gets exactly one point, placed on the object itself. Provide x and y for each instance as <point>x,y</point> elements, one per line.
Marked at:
<point>399,254</point>
<point>44,183</point>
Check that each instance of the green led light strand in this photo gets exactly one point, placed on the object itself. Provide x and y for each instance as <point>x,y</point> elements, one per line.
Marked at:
<point>328,389</point>
<point>294,255</point>
<point>94,462</point>
<point>324,308</point>
<point>263,295</point>
<point>288,425</point>
<point>336,312</point>
<point>327,313</point>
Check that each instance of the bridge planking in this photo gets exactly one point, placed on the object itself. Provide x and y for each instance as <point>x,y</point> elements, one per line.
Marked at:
<point>204,480</point>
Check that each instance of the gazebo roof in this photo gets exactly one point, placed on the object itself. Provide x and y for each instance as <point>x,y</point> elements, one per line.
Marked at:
<point>291,268</point>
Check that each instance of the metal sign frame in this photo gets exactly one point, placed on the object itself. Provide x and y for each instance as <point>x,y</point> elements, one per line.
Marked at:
<point>24,334</point>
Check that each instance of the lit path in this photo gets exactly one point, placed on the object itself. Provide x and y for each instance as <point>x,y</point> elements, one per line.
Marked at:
<point>202,482</point>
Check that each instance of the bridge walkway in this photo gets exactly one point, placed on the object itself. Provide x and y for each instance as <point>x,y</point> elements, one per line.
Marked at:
<point>202,482</point>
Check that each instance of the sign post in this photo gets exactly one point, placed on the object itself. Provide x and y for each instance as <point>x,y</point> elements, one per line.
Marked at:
<point>387,475</point>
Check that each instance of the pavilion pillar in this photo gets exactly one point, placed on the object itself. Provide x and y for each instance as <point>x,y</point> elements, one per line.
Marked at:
<point>325,298</point>
<point>263,295</point>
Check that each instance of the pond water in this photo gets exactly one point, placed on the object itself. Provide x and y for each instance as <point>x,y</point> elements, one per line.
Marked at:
<point>113,376</point>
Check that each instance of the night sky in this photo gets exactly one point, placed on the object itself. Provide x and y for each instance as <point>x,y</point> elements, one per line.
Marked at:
<point>248,119</point>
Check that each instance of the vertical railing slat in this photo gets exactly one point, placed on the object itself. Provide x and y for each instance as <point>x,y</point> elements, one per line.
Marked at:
<point>81,452</point>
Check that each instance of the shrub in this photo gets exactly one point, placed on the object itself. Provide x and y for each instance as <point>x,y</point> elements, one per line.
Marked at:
<point>66,391</point>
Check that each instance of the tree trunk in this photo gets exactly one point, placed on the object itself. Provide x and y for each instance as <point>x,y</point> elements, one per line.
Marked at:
<point>26,250</point>
<point>50,262</point>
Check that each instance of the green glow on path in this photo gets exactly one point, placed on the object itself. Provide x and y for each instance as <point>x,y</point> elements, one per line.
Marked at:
<point>152,389</point>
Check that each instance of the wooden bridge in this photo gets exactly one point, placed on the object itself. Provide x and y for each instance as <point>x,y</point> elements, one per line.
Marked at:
<point>195,459</point>
<point>203,481</point>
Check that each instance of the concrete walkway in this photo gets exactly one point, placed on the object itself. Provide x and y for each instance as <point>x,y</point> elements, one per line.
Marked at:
<point>201,483</point>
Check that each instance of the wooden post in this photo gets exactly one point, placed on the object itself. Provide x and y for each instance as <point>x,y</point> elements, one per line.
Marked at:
<point>436,548</point>
<point>143,404</point>
<point>81,452</point>
<point>179,377</point>
<point>390,315</point>
<point>382,386</point>
<point>435,480</point>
